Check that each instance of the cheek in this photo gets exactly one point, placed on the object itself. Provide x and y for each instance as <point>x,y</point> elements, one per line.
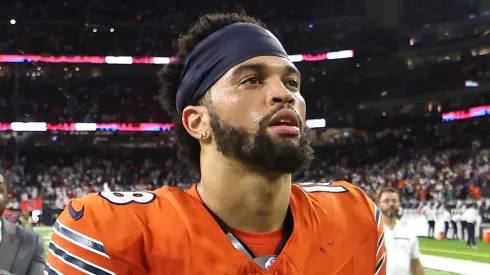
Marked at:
<point>301,106</point>
<point>256,117</point>
<point>234,110</point>
<point>224,100</point>
<point>385,206</point>
<point>244,115</point>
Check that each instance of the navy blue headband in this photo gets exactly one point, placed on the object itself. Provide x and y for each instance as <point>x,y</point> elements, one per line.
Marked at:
<point>220,52</point>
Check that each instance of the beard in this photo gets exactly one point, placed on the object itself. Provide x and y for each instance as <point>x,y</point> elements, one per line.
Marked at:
<point>391,212</point>
<point>260,148</point>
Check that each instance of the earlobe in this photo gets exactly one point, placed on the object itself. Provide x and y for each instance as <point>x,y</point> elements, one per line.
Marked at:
<point>194,119</point>
<point>203,135</point>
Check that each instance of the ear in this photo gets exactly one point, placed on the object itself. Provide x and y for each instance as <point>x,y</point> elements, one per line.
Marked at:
<point>196,121</point>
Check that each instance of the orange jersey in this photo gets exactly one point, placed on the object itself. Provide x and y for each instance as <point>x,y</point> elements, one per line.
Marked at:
<point>336,230</point>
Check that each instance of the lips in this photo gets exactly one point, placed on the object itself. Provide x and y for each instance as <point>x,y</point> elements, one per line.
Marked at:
<point>285,117</point>
<point>285,122</point>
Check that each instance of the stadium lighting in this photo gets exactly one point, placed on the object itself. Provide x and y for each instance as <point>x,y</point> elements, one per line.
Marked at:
<point>470,83</point>
<point>15,58</point>
<point>111,29</point>
<point>13,22</point>
<point>94,29</point>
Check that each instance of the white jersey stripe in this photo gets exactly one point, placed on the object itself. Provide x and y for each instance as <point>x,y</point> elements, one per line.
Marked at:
<point>49,270</point>
<point>82,264</point>
<point>79,242</point>
<point>381,243</point>
<point>380,263</point>
<point>80,234</point>
<point>68,263</point>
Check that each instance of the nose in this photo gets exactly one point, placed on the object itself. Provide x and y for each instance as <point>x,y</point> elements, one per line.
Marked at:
<point>279,94</point>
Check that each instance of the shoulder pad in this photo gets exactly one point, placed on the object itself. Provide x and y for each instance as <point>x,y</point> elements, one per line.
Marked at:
<point>344,197</point>
<point>108,206</point>
<point>341,191</point>
<point>328,187</point>
<point>123,198</point>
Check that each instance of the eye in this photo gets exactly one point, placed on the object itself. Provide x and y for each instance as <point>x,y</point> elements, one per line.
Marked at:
<point>252,80</point>
<point>292,83</point>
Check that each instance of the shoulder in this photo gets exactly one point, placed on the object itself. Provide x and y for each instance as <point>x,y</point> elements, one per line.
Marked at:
<point>343,199</point>
<point>105,211</point>
<point>338,191</point>
<point>28,236</point>
<point>26,233</point>
<point>110,206</point>
<point>110,222</point>
<point>404,230</point>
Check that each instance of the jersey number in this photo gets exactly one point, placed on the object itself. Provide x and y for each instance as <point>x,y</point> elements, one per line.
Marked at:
<point>323,187</point>
<point>128,197</point>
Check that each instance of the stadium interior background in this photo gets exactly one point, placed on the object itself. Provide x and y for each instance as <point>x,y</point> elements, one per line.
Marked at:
<point>398,94</point>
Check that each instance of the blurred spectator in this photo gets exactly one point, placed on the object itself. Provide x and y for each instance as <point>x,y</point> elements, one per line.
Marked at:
<point>442,171</point>
<point>25,220</point>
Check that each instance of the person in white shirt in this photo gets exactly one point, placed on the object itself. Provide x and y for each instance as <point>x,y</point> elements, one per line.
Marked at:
<point>471,215</point>
<point>446,216</point>
<point>401,243</point>
<point>455,218</point>
<point>462,209</point>
<point>430,214</point>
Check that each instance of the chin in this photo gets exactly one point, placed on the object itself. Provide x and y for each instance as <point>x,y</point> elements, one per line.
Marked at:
<point>287,141</point>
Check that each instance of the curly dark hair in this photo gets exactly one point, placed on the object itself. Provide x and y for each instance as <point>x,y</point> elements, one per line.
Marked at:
<point>169,77</point>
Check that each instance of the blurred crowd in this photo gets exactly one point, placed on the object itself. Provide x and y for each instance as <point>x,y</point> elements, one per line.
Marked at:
<point>147,27</point>
<point>55,100</point>
<point>155,11</point>
<point>387,64</point>
<point>441,162</point>
<point>122,27</point>
<point>58,177</point>
<point>432,162</point>
<point>82,94</point>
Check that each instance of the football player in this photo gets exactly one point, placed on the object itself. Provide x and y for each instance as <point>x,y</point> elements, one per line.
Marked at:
<point>240,121</point>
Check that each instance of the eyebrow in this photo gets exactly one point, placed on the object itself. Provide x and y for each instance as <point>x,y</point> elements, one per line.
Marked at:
<point>261,67</point>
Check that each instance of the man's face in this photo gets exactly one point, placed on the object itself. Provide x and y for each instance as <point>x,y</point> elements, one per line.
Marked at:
<point>257,115</point>
<point>3,198</point>
<point>389,204</point>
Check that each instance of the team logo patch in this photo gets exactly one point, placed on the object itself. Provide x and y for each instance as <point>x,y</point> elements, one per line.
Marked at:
<point>75,215</point>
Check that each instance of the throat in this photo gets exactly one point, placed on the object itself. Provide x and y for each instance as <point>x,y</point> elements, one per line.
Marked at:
<point>390,222</point>
<point>259,209</point>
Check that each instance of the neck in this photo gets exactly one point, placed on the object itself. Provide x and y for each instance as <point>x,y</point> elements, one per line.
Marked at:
<point>390,222</point>
<point>242,196</point>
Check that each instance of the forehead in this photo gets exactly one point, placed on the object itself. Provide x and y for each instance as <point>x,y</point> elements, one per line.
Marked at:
<point>267,63</point>
<point>389,195</point>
